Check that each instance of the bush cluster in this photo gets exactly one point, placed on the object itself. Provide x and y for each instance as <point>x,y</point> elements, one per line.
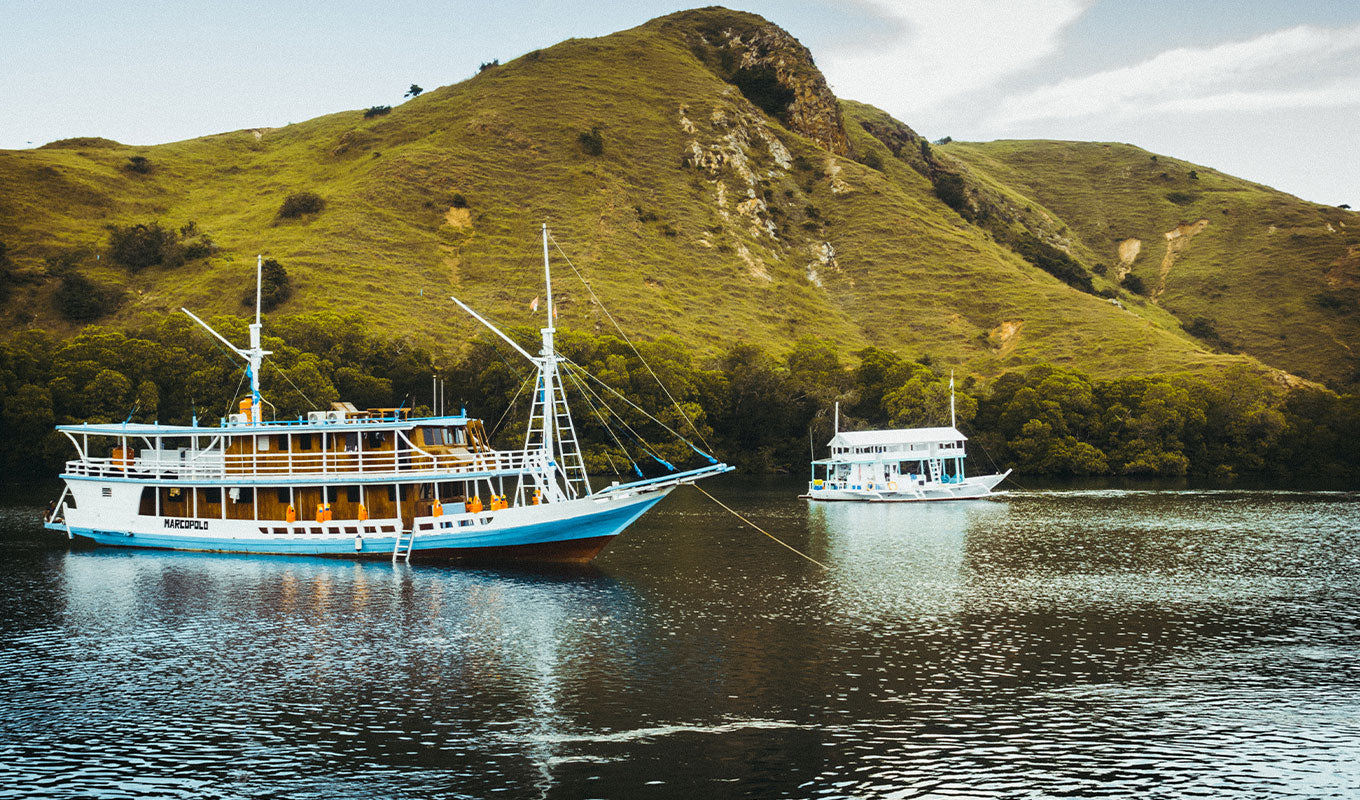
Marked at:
<point>1054,261</point>
<point>299,203</point>
<point>275,287</point>
<point>760,84</point>
<point>148,244</point>
<point>591,141</point>
<point>377,111</point>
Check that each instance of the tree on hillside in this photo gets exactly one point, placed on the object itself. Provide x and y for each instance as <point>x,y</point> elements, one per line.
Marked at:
<point>414,91</point>
<point>275,286</point>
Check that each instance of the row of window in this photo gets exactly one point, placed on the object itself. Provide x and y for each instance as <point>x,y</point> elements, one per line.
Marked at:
<point>350,530</point>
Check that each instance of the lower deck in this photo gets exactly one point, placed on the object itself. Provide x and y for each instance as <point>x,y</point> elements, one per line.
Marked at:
<point>571,531</point>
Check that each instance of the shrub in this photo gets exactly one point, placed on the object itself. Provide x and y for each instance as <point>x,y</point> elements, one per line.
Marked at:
<point>1100,269</point>
<point>79,299</point>
<point>486,65</point>
<point>1134,284</point>
<point>1180,198</point>
<point>1194,175</point>
<point>414,91</point>
<point>299,203</point>
<point>140,246</point>
<point>926,152</point>
<point>275,286</point>
<point>1333,301</point>
<point>760,85</point>
<point>945,140</point>
<point>6,276</point>
<point>148,245</point>
<point>872,160</point>
<point>645,214</point>
<point>950,189</point>
<point>592,143</point>
<point>1203,329</point>
<point>458,201</point>
<point>377,111</point>
<point>141,165</point>
<point>1054,261</point>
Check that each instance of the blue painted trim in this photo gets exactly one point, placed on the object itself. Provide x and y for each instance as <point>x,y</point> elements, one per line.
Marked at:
<point>608,522</point>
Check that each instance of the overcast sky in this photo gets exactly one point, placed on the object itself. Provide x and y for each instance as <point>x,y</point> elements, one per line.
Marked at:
<point>1266,90</point>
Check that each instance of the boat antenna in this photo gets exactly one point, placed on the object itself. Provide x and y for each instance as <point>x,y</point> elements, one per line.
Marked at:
<point>952,422</point>
<point>254,355</point>
<point>836,426</point>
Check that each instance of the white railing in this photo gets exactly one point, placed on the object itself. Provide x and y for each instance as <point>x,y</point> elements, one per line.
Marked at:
<point>304,466</point>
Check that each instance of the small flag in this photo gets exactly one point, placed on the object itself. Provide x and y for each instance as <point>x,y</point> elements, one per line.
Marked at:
<point>534,305</point>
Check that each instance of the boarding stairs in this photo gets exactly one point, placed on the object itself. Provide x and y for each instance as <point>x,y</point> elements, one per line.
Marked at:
<point>401,549</point>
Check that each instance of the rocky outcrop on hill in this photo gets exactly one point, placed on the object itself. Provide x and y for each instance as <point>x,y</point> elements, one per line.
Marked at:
<point>773,69</point>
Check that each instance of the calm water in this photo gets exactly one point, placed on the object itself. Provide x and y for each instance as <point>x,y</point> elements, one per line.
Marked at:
<point>1053,644</point>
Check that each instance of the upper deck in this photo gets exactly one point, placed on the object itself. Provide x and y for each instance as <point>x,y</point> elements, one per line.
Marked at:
<point>890,445</point>
<point>327,448</point>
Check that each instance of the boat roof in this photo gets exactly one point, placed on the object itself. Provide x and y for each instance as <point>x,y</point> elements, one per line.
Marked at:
<point>273,426</point>
<point>898,436</point>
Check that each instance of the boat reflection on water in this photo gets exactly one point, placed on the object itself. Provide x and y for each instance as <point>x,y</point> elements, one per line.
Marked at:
<point>888,559</point>
<point>364,659</point>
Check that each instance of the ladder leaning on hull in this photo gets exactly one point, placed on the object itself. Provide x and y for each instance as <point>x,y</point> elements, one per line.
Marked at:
<point>405,539</point>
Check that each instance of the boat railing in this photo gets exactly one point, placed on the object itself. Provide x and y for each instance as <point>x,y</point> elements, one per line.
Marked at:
<point>399,465</point>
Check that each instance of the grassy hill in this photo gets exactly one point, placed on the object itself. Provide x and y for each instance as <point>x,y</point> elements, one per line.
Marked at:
<point>732,199</point>
<point>1259,270</point>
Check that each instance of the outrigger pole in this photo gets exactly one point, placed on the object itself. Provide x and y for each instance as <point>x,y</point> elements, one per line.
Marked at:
<point>255,355</point>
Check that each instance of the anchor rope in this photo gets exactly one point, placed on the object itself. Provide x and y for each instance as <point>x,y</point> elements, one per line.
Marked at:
<point>757,527</point>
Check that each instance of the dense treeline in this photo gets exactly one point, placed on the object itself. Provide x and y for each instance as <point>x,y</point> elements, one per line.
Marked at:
<point>745,407</point>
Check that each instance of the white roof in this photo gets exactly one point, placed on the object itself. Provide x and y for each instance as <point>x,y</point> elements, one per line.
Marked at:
<point>900,436</point>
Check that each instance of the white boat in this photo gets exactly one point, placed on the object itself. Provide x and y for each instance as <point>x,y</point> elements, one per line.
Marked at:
<point>344,482</point>
<point>898,466</point>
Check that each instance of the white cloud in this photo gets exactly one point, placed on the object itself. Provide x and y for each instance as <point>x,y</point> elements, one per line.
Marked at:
<point>947,49</point>
<point>1302,67</point>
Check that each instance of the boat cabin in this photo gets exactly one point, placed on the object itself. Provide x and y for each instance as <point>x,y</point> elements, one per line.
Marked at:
<point>908,456</point>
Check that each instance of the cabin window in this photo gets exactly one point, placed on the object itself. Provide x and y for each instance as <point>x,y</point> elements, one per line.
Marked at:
<point>459,436</point>
<point>212,495</point>
<point>281,495</point>
<point>304,441</point>
<point>391,494</point>
<point>147,505</point>
<point>243,495</point>
<point>374,440</point>
<point>262,444</point>
<point>352,494</point>
<point>349,441</point>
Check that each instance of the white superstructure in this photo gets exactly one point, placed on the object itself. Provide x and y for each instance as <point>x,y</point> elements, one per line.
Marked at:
<point>905,464</point>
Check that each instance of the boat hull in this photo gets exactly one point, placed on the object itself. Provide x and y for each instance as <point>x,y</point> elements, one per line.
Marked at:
<point>573,531</point>
<point>974,488</point>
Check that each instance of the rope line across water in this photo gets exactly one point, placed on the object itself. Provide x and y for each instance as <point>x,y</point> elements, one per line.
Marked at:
<point>757,527</point>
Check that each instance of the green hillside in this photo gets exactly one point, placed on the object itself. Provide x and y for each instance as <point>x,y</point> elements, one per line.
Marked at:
<point>732,198</point>
<point>1261,271</point>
